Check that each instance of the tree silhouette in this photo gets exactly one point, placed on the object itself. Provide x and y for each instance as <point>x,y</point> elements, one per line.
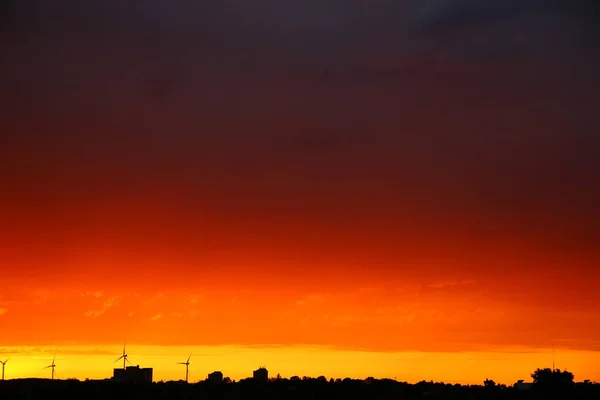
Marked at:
<point>489,383</point>
<point>556,379</point>
<point>311,388</point>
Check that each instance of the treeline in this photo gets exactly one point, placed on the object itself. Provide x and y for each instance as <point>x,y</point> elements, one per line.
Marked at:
<point>554,385</point>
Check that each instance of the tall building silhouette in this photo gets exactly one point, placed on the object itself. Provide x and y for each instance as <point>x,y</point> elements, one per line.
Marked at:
<point>261,374</point>
<point>133,374</point>
<point>216,377</point>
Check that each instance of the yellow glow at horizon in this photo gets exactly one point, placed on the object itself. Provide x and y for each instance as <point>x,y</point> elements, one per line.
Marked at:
<point>239,362</point>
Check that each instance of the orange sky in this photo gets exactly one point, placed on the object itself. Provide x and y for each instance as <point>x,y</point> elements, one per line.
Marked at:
<point>199,181</point>
<point>238,362</point>
<point>448,321</point>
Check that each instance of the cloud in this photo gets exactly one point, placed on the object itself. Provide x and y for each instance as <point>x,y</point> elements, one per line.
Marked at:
<point>443,16</point>
<point>153,300</point>
<point>93,313</point>
<point>41,299</point>
<point>155,317</point>
<point>258,346</point>
<point>311,299</point>
<point>197,298</point>
<point>67,351</point>
<point>9,350</point>
<point>110,302</point>
<point>361,306</point>
<point>450,284</point>
<point>107,305</point>
<point>96,294</point>
<point>397,315</point>
<point>307,30</point>
<point>53,350</point>
<point>474,29</point>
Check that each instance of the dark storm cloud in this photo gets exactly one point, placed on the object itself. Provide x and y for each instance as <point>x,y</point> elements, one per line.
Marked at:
<point>489,29</point>
<point>315,89</point>
<point>444,16</point>
<point>314,31</point>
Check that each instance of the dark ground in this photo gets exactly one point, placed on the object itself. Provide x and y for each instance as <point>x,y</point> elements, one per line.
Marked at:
<point>295,389</point>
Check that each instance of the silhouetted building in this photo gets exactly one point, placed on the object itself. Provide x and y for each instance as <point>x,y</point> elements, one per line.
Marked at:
<point>216,377</point>
<point>521,385</point>
<point>261,374</point>
<point>133,374</point>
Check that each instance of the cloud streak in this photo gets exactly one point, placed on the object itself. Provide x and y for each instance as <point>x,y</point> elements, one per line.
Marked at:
<point>310,28</point>
<point>107,305</point>
<point>63,351</point>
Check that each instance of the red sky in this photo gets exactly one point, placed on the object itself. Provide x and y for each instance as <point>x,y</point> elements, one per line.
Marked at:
<point>177,181</point>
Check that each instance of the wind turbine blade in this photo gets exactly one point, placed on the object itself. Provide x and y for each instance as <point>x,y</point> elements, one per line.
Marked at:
<point>128,361</point>
<point>188,360</point>
<point>118,359</point>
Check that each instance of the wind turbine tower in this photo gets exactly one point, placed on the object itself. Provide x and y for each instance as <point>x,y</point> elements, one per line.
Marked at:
<point>3,365</point>
<point>52,366</point>
<point>187,364</point>
<point>124,357</point>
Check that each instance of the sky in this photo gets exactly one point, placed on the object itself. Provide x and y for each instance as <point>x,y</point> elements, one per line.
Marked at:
<point>386,183</point>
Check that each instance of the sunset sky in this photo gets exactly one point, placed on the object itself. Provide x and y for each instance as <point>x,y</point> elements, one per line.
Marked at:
<point>389,188</point>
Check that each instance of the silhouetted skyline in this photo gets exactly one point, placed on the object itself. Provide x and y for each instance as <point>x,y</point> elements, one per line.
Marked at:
<point>547,378</point>
<point>156,368</point>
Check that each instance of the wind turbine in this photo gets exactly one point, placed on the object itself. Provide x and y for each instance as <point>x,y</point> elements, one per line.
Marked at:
<point>52,366</point>
<point>124,357</point>
<point>187,364</point>
<point>3,364</point>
